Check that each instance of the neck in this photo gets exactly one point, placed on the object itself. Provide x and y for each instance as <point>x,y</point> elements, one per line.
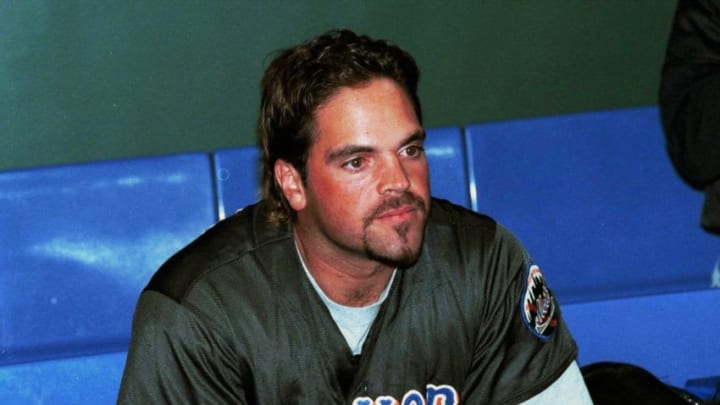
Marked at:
<point>346,280</point>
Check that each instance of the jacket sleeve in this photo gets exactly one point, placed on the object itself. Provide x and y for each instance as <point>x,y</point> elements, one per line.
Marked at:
<point>178,356</point>
<point>523,345</point>
<point>690,92</point>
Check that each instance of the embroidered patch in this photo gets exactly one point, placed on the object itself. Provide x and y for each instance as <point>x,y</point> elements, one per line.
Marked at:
<point>538,304</point>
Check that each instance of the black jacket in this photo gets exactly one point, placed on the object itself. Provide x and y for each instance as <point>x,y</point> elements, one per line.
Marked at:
<point>690,101</point>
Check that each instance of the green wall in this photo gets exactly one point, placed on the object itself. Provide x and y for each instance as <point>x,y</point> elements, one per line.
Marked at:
<point>89,80</point>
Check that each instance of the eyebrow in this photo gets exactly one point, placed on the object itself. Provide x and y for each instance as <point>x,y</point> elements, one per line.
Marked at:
<point>350,150</point>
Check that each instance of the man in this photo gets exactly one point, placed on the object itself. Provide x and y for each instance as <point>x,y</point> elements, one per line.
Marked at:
<point>348,283</point>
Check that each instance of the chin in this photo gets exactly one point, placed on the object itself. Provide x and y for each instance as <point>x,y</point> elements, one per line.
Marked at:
<point>398,246</point>
<point>397,255</point>
<point>401,260</point>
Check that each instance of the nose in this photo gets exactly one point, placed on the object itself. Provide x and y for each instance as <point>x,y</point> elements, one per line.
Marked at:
<point>393,177</point>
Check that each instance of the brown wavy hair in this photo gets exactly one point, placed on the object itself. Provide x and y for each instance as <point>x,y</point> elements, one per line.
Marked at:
<point>300,79</point>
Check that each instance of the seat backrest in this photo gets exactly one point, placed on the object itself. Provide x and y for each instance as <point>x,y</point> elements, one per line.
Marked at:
<point>80,242</point>
<point>69,381</point>
<point>237,178</point>
<point>595,200</point>
<point>671,335</point>
<point>445,151</point>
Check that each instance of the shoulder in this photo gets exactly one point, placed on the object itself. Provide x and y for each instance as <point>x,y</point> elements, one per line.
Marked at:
<point>479,258</point>
<point>219,248</point>
<point>470,231</point>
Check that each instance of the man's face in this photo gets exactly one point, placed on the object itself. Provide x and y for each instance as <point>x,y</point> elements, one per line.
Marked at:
<point>367,193</point>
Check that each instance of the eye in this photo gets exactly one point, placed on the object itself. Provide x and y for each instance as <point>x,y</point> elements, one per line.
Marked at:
<point>354,163</point>
<point>413,151</point>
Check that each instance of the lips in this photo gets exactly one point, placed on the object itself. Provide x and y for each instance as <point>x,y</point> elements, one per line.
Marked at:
<point>398,209</point>
<point>397,213</point>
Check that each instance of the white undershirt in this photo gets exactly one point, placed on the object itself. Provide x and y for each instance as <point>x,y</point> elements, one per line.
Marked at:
<point>570,388</point>
<point>354,322</point>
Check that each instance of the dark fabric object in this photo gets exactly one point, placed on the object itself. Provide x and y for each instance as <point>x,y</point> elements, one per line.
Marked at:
<point>710,219</point>
<point>690,92</point>
<point>690,101</point>
<point>612,383</point>
<point>707,388</point>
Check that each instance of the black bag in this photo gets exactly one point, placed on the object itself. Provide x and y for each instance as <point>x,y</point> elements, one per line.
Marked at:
<point>620,383</point>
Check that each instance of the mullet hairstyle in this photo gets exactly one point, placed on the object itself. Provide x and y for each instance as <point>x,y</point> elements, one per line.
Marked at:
<point>299,80</point>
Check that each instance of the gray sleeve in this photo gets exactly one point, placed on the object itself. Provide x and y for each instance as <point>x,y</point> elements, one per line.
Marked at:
<point>523,345</point>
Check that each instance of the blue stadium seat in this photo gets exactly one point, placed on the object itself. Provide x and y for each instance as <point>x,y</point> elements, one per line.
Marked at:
<point>445,151</point>
<point>237,178</point>
<point>592,196</point>
<point>674,336</point>
<point>596,202</point>
<point>78,380</point>
<point>79,242</point>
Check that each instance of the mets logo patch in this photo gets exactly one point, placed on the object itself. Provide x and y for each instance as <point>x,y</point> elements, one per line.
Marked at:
<point>538,304</point>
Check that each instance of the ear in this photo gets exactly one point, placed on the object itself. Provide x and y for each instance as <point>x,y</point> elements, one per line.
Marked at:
<point>291,184</point>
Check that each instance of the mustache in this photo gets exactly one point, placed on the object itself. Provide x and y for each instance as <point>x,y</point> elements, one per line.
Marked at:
<point>406,198</point>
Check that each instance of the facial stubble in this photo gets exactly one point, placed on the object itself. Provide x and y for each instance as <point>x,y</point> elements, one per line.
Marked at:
<point>407,256</point>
